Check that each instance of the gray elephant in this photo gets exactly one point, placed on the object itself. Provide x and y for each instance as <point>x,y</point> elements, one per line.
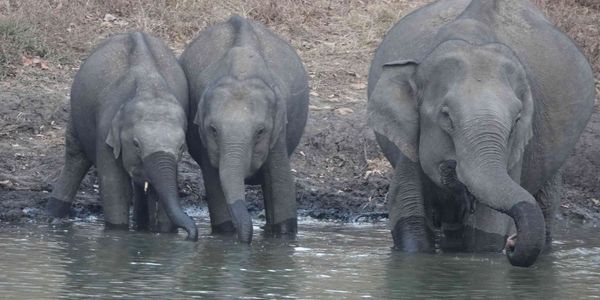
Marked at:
<point>248,108</point>
<point>129,106</point>
<point>477,102</point>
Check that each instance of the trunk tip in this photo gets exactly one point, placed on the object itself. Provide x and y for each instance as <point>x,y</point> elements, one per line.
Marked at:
<point>531,234</point>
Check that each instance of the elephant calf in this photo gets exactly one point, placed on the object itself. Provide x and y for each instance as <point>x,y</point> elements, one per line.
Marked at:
<point>129,118</point>
<point>248,109</point>
<point>477,102</point>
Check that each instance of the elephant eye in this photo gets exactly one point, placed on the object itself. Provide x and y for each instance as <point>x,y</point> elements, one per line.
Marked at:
<point>517,119</point>
<point>260,131</point>
<point>136,143</point>
<point>447,120</point>
<point>213,129</point>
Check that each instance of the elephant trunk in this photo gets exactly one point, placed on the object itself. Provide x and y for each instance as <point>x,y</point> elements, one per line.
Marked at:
<point>482,167</point>
<point>232,169</point>
<point>161,169</point>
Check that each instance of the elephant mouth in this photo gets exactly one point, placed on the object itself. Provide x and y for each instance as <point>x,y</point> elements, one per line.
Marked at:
<point>465,200</point>
<point>138,175</point>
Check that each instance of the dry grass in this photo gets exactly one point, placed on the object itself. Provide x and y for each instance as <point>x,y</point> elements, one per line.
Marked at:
<point>17,39</point>
<point>335,38</point>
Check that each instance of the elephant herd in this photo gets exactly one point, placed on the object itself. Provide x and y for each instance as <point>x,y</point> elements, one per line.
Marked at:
<point>475,103</point>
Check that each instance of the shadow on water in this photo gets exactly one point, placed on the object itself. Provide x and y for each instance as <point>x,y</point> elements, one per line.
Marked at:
<point>479,276</point>
<point>327,261</point>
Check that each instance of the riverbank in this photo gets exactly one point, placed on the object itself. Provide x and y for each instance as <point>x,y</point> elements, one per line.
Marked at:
<point>339,170</point>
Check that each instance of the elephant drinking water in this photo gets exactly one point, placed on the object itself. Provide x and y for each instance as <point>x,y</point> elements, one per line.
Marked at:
<point>477,104</point>
<point>248,108</point>
<point>128,117</point>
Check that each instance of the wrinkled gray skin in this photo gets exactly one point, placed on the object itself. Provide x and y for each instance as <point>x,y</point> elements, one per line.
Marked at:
<point>477,105</point>
<point>128,117</point>
<point>248,109</point>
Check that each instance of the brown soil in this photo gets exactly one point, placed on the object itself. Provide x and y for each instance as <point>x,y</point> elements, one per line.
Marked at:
<point>339,170</point>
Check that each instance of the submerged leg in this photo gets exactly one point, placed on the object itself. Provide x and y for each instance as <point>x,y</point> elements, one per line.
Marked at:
<point>141,214</point>
<point>75,168</point>
<point>549,200</point>
<point>280,193</point>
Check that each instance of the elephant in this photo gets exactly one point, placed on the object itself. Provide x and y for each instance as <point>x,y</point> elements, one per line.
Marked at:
<point>476,105</point>
<point>248,109</point>
<point>129,103</point>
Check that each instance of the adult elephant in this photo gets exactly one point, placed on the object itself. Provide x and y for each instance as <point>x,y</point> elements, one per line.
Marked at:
<point>477,102</point>
<point>248,108</point>
<point>128,117</point>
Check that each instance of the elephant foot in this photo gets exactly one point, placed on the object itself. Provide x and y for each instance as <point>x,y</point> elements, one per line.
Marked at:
<point>225,228</point>
<point>242,221</point>
<point>56,208</point>
<point>166,228</point>
<point>412,235</point>
<point>287,228</point>
<point>453,239</point>
<point>111,226</point>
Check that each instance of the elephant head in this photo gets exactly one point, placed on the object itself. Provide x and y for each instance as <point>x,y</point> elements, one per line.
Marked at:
<point>239,121</point>
<point>471,104</point>
<point>148,133</point>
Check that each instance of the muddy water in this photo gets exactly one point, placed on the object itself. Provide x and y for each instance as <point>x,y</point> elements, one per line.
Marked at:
<point>327,261</point>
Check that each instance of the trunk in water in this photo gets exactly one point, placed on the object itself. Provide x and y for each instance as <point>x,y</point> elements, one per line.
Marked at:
<point>232,168</point>
<point>492,186</point>
<point>161,169</point>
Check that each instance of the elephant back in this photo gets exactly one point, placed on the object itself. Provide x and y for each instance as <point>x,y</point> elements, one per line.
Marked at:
<point>562,85</point>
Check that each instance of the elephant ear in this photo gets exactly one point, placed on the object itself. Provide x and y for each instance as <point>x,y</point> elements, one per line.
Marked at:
<point>113,138</point>
<point>392,108</point>
<point>523,129</point>
<point>280,120</point>
<point>199,117</point>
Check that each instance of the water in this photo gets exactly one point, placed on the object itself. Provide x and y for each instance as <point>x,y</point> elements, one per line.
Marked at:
<point>327,261</point>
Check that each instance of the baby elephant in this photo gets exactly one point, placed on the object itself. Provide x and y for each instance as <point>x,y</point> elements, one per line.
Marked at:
<point>128,117</point>
<point>248,109</point>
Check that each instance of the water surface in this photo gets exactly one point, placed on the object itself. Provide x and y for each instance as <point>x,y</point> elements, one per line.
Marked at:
<point>327,261</point>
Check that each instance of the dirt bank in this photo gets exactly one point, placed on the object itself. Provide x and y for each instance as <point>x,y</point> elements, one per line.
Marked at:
<point>340,173</point>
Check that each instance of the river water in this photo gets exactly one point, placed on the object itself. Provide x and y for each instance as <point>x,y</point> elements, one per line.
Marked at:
<point>326,261</point>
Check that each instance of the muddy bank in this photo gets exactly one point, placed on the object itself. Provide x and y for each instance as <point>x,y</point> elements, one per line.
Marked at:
<point>339,171</point>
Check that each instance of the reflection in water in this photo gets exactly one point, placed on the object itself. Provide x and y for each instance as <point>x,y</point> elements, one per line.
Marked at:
<point>327,261</point>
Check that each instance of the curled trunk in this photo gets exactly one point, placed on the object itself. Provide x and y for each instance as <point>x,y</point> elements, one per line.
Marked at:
<point>497,190</point>
<point>161,169</point>
<point>482,167</point>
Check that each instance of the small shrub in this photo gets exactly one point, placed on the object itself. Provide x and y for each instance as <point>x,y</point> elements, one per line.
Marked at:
<point>17,39</point>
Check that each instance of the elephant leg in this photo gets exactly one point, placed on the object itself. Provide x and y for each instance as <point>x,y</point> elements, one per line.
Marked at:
<point>279,192</point>
<point>163,222</point>
<point>220,219</point>
<point>75,168</point>
<point>115,189</point>
<point>486,230</point>
<point>140,208</point>
<point>548,197</point>
<point>152,202</point>
<point>408,219</point>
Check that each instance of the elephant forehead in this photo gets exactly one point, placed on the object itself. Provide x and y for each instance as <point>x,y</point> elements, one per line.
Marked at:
<point>150,109</point>
<point>463,58</point>
<point>246,89</point>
